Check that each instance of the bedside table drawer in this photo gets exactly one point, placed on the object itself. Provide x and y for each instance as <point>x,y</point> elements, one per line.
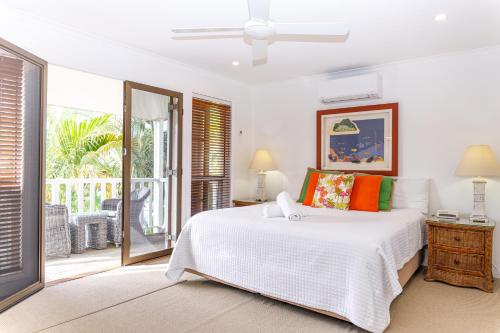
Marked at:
<point>459,261</point>
<point>460,238</point>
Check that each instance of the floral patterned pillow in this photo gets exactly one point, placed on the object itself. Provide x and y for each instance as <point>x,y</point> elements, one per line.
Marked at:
<point>333,191</point>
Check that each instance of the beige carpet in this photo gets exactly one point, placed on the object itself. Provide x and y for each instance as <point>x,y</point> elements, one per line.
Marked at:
<point>73,299</point>
<point>197,305</point>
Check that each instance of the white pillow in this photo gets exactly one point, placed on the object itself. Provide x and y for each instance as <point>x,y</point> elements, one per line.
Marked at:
<point>411,193</point>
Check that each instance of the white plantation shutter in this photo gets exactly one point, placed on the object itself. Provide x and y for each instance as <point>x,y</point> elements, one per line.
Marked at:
<point>211,156</point>
<point>11,163</point>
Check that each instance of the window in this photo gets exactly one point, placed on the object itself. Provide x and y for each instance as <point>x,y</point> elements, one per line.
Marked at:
<point>211,156</point>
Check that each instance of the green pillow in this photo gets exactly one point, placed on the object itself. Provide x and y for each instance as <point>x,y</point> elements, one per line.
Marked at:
<point>308,177</point>
<point>384,199</point>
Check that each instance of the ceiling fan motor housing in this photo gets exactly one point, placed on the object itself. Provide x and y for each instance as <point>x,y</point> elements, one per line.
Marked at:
<point>259,29</point>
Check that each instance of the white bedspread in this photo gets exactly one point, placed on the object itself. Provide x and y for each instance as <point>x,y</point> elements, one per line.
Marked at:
<point>340,261</point>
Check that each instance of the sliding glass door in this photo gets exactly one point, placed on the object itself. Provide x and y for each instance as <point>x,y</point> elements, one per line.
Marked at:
<point>152,164</point>
<point>22,105</point>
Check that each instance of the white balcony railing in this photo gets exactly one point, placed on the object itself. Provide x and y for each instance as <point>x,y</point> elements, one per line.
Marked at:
<point>84,195</point>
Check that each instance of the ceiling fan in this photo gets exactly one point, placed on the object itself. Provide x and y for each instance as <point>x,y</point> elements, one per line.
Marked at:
<point>260,29</point>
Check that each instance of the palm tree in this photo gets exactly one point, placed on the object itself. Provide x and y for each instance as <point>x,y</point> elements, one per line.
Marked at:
<point>142,149</point>
<point>87,148</point>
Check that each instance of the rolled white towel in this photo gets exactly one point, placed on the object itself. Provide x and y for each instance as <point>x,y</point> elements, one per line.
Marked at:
<point>289,207</point>
<point>273,210</point>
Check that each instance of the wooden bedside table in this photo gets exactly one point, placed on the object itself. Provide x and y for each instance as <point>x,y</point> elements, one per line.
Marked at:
<point>246,202</point>
<point>460,253</point>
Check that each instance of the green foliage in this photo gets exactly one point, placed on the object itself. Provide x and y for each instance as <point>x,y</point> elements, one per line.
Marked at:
<point>142,149</point>
<point>82,145</point>
<point>84,148</point>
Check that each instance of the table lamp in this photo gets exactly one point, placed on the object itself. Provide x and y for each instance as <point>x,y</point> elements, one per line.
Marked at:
<point>478,161</point>
<point>262,162</point>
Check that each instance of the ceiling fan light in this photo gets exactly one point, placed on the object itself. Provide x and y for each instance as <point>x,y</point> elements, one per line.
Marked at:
<point>440,17</point>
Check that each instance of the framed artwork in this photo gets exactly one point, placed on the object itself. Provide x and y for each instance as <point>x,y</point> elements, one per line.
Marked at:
<point>358,139</point>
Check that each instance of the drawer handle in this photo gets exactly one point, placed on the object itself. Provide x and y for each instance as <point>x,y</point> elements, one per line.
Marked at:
<point>456,262</point>
<point>457,238</point>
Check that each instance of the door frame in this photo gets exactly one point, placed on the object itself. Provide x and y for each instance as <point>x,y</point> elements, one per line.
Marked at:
<point>40,283</point>
<point>126,174</point>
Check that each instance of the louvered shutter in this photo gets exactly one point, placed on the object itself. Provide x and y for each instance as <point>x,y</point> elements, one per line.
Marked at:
<point>11,163</point>
<point>211,156</point>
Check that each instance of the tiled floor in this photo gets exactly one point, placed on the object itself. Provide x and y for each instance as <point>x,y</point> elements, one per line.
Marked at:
<point>91,261</point>
<point>78,264</point>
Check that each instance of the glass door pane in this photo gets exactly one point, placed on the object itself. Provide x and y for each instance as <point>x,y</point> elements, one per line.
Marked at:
<point>22,98</point>
<point>149,174</point>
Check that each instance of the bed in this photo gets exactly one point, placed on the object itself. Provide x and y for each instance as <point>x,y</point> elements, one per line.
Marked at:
<point>346,264</point>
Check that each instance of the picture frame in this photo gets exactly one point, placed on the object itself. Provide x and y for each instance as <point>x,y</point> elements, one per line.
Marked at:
<point>361,139</point>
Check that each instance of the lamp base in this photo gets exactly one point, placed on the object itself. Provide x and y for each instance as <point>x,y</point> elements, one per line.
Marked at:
<point>261,187</point>
<point>479,206</point>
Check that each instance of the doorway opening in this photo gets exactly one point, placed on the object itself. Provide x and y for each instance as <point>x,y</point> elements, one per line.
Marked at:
<point>83,174</point>
<point>112,188</point>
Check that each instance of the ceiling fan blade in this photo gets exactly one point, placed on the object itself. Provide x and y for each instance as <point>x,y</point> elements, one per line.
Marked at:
<point>259,9</point>
<point>259,49</point>
<point>208,29</point>
<point>206,36</point>
<point>318,29</point>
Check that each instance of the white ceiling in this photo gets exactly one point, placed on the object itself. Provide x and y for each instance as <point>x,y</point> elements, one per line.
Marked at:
<point>381,31</point>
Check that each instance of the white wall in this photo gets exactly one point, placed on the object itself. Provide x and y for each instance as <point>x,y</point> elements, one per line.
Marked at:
<point>446,103</point>
<point>73,49</point>
<point>84,91</point>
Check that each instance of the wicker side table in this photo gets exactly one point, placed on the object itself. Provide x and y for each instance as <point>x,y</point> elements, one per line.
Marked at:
<point>460,253</point>
<point>88,230</point>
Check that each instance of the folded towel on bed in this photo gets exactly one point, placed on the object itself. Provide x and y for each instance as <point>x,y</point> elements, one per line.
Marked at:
<point>273,210</point>
<point>289,207</point>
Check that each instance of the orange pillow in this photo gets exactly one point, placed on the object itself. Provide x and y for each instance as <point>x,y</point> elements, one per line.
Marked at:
<point>365,193</point>
<point>311,188</point>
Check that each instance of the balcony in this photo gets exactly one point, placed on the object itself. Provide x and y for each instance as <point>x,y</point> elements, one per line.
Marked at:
<point>85,195</point>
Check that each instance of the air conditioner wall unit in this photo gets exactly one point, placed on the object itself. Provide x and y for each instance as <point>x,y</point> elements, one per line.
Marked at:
<point>361,87</point>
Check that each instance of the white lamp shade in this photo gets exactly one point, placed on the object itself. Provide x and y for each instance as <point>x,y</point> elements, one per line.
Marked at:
<point>478,161</point>
<point>262,160</point>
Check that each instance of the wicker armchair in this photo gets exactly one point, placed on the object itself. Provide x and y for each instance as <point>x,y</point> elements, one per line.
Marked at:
<point>57,231</point>
<point>114,233</point>
<point>137,199</point>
